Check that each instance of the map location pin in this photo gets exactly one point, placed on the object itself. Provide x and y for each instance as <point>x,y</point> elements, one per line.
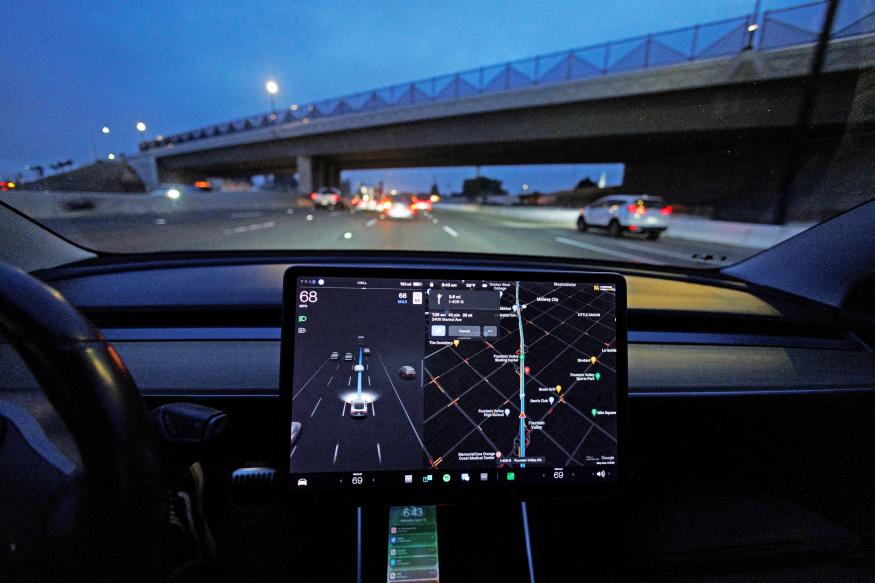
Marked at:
<point>506,412</point>
<point>551,399</point>
<point>456,343</point>
<point>593,359</point>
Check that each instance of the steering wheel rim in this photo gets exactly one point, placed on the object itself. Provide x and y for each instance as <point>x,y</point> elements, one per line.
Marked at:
<point>120,514</point>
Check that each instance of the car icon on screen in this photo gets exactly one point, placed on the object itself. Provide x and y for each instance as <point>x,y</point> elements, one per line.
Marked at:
<point>334,355</point>
<point>407,372</point>
<point>358,368</point>
<point>358,409</point>
<point>302,481</point>
<point>347,357</point>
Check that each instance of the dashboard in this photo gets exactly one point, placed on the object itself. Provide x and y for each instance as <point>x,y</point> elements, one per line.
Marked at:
<point>737,396</point>
<point>436,384</point>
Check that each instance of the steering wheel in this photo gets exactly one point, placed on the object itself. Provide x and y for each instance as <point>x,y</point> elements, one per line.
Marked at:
<point>105,519</point>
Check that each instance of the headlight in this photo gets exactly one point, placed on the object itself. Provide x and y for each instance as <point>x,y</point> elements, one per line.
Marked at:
<point>173,194</point>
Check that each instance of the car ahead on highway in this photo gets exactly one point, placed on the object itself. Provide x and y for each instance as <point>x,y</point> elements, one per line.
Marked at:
<point>358,409</point>
<point>407,372</point>
<point>421,204</point>
<point>327,198</point>
<point>400,206</point>
<point>627,213</point>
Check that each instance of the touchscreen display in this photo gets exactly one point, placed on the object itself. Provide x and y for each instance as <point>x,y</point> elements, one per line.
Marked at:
<point>418,383</point>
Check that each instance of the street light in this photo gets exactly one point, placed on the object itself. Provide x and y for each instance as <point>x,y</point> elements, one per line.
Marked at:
<point>272,89</point>
<point>111,156</point>
<point>141,127</point>
<point>104,130</point>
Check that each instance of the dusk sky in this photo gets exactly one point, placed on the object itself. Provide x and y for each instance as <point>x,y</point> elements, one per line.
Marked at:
<point>69,68</point>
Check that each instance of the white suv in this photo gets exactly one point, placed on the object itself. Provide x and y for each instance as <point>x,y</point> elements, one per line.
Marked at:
<point>633,213</point>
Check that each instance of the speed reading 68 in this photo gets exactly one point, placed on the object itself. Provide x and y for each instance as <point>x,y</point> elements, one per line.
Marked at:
<point>308,296</point>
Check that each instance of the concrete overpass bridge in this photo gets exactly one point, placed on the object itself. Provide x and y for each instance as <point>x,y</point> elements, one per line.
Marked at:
<point>705,112</point>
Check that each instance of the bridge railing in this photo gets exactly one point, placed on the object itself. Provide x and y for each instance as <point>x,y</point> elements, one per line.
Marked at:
<point>774,29</point>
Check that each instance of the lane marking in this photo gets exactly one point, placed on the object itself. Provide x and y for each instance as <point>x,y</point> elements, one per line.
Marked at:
<point>343,411</point>
<point>328,384</point>
<point>373,409</point>
<point>403,408</point>
<point>625,256</point>
<point>371,223</point>
<point>379,453</point>
<point>246,215</point>
<point>248,228</point>
<point>160,221</point>
<point>293,452</point>
<point>646,248</point>
<point>369,380</point>
<point>347,235</point>
<point>349,382</point>
<point>336,447</point>
<point>295,396</point>
<point>316,407</point>
<point>450,231</point>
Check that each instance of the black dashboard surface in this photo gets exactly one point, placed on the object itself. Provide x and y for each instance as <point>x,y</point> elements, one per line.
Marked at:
<point>213,327</point>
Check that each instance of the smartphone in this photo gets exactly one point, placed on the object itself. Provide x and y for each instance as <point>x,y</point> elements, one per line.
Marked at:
<point>413,544</point>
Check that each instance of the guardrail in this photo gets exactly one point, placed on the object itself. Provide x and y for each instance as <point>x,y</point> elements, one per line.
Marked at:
<point>774,29</point>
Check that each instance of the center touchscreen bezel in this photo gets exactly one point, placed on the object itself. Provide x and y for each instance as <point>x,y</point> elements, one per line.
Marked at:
<point>491,490</point>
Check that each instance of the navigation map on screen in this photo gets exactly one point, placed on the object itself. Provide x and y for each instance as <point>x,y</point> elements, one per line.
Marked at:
<point>453,383</point>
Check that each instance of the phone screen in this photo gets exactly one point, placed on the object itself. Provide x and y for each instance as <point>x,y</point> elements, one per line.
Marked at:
<point>413,544</point>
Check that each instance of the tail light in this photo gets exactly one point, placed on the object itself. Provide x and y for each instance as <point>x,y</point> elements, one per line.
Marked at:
<point>313,196</point>
<point>636,209</point>
<point>335,198</point>
<point>387,205</point>
<point>666,210</point>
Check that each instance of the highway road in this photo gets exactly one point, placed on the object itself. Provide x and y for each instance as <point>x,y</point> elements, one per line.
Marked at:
<point>440,230</point>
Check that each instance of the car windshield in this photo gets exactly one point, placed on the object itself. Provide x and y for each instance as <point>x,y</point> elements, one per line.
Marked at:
<point>691,134</point>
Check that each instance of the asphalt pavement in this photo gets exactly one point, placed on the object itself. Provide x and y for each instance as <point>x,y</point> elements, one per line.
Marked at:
<point>439,230</point>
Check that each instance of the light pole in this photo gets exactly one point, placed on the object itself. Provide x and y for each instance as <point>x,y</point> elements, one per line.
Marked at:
<point>272,89</point>
<point>753,25</point>
<point>141,129</point>
<point>104,130</point>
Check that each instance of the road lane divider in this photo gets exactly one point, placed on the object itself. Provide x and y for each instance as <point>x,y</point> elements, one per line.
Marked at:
<point>450,231</point>
<point>605,251</point>
<point>248,228</point>
<point>654,249</point>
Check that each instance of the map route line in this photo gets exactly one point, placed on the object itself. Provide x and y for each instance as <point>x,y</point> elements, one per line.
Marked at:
<point>522,374</point>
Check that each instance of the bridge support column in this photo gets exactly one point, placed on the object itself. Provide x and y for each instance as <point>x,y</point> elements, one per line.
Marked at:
<point>314,173</point>
<point>306,183</point>
<point>146,168</point>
